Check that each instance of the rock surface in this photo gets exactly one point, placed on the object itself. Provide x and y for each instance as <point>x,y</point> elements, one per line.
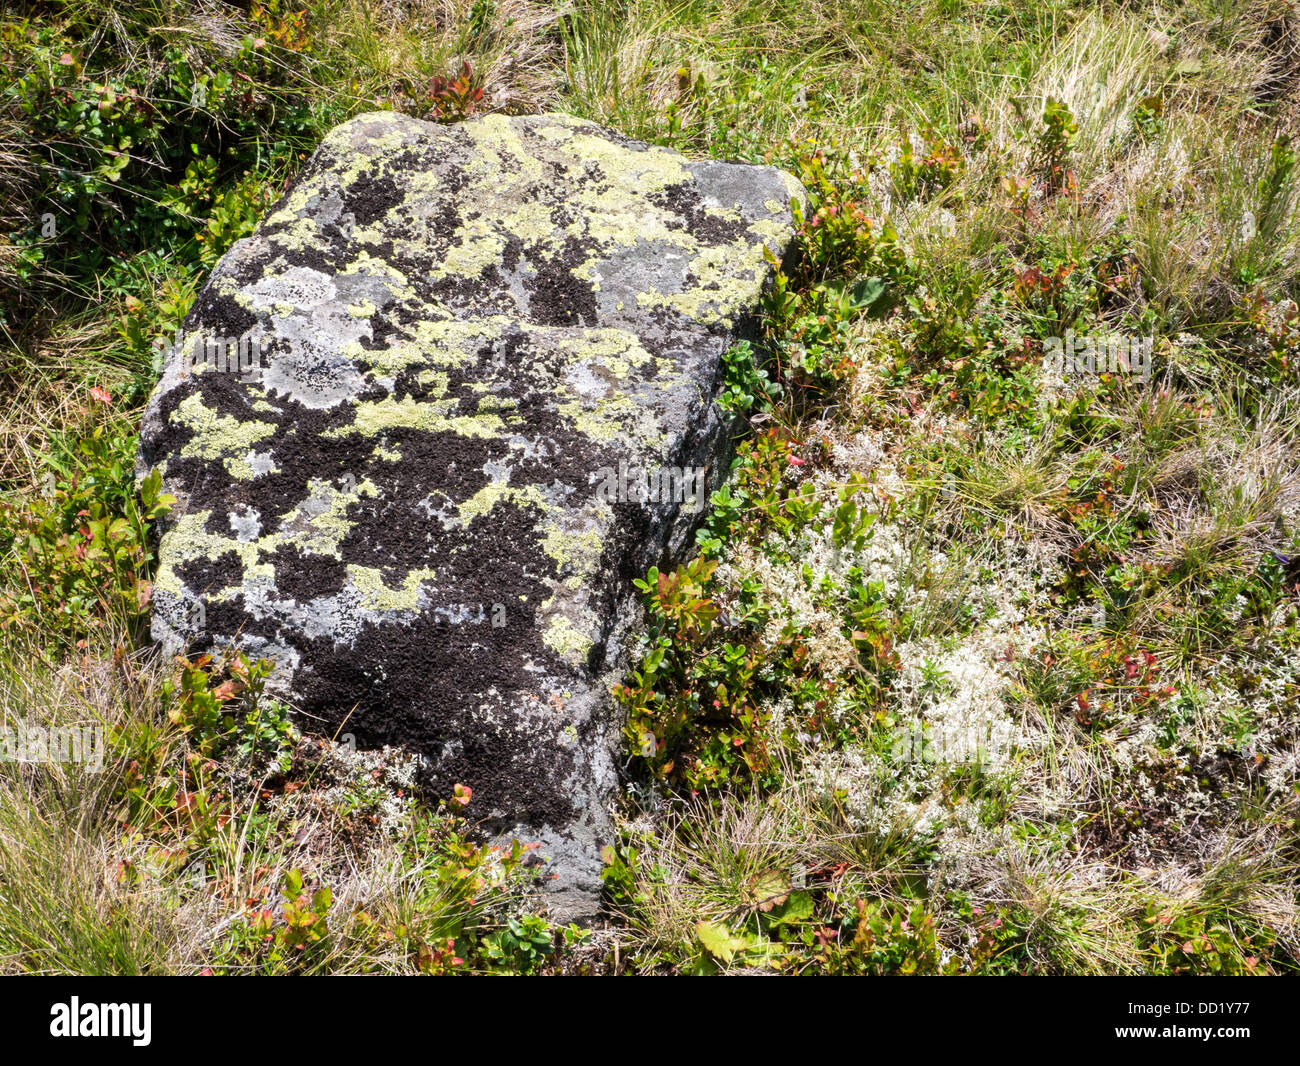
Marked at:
<point>448,336</point>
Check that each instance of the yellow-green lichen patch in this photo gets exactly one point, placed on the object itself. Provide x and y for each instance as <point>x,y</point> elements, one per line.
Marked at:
<point>667,376</point>
<point>492,404</point>
<point>639,174</point>
<point>573,553</point>
<point>725,276</point>
<point>319,523</point>
<point>391,360</point>
<point>793,187</point>
<point>374,417</point>
<point>531,223</point>
<point>496,492</point>
<point>607,222</point>
<point>294,205</point>
<point>563,638</point>
<point>445,342</point>
<point>215,434</point>
<point>434,382</point>
<point>619,417</point>
<point>494,136</point>
<point>372,266</point>
<point>188,541</point>
<point>238,467</point>
<point>354,158</point>
<point>299,232</point>
<point>559,127</point>
<point>615,349</point>
<point>377,595</point>
<point>771,232</point>
<point>478,246</point>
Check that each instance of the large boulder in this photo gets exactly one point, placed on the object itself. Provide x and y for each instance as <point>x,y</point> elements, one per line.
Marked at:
<point>410,421</point>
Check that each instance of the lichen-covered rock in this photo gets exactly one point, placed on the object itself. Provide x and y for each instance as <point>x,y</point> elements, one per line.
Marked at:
<point>409,481</point>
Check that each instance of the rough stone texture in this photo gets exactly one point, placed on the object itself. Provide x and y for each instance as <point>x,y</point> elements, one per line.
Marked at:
<point>459,327</point>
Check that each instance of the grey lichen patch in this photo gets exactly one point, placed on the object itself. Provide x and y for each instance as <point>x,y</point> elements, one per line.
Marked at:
<point>461,327</point>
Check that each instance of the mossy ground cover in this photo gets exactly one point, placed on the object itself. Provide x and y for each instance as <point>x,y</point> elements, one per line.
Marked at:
<point>987,662</point>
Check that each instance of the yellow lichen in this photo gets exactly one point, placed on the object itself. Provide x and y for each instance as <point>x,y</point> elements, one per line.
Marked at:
<point>188,540</point>
<point>574,553</point>
<point>216,434</point>
<point>319,529</point>
<point>378,596</point>
<point>563,638</point>
<point>494,493</point>
<point>377,416</point>
<point>613,418</point>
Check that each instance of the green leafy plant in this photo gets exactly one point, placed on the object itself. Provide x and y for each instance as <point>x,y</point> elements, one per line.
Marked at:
<point>80,548</point>
<point>222,708</point>
<point>1055,141</point>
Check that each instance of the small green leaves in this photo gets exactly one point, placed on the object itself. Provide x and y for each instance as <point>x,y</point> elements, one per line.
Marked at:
<point>717,940</point>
